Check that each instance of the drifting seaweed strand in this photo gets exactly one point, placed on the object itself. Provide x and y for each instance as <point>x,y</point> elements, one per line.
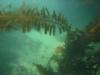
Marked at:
<point>26,18</point>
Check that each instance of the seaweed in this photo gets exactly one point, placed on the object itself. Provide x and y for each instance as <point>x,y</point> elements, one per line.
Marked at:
<point>75,60</point>
<point>79,56</point>
<point>28,18</point>
<point>76,48</point>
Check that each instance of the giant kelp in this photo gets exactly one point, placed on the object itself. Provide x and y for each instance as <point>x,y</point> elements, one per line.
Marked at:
<point>27,18</point>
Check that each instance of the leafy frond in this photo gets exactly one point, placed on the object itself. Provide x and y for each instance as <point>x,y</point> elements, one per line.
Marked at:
<point>28,18</point>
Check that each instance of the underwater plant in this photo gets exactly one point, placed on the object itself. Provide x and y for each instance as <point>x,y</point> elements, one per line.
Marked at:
<point>75,60</point>
<point>28,18</point>
<point>79,56</point>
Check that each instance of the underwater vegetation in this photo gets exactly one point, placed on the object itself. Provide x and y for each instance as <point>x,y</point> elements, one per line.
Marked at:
<point>77,60</point>
<point>27,18</point>
<point>78,55</point>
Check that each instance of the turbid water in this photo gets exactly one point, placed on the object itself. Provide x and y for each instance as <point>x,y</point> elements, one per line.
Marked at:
<point>29,53</point>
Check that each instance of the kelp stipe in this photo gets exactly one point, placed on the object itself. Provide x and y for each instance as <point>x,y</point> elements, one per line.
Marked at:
<point>28,18</point>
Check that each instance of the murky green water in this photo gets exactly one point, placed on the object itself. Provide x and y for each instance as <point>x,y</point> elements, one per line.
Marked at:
<point>37,53</point>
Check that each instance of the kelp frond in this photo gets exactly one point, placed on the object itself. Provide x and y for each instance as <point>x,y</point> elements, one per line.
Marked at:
<point>93,26</point>
<point>27,18</point>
